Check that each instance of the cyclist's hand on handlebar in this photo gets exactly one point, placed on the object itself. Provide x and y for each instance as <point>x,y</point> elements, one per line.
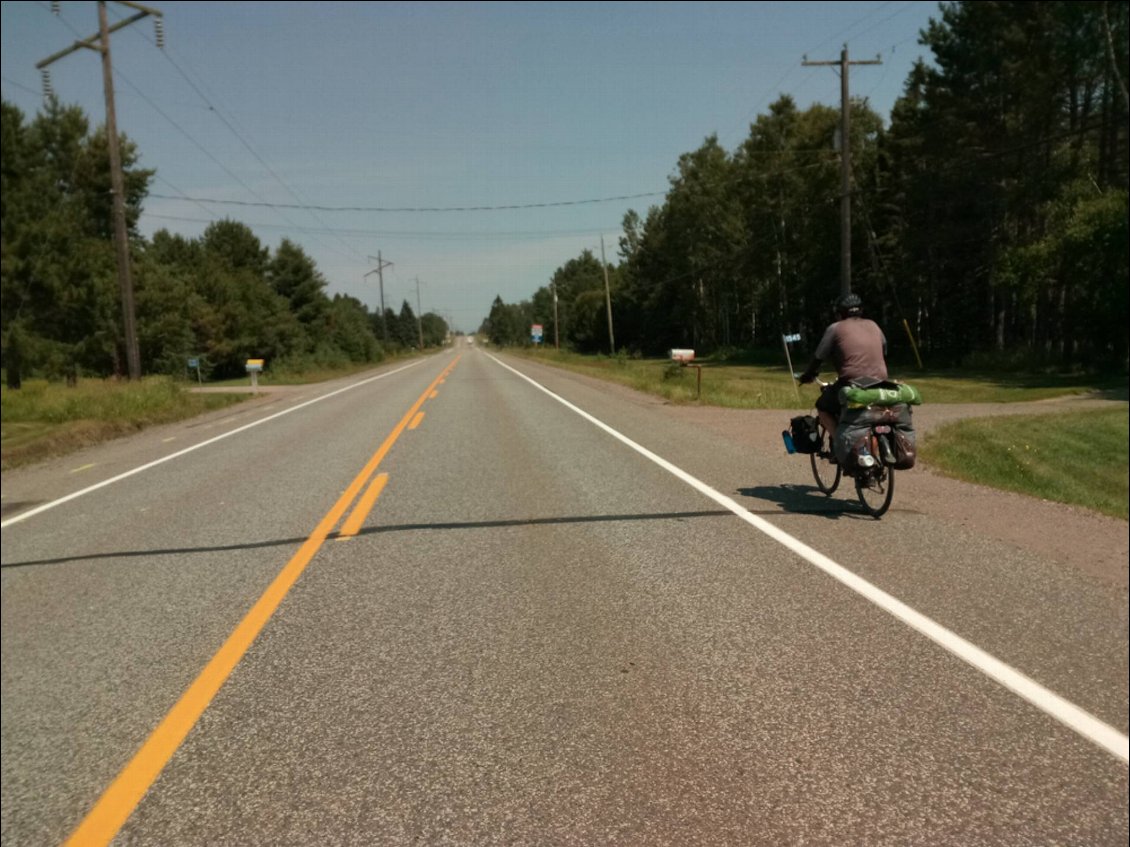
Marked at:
<point>805,378</point>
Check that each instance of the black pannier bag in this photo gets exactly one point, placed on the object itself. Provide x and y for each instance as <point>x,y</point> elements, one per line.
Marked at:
<point>803,430</point>
<point>855,426</point>
<point>906,450</point>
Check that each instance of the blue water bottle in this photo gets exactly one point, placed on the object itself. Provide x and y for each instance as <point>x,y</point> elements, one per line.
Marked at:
<point>788,439</point>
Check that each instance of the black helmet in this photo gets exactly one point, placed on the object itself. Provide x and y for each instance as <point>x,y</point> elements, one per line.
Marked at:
<point>849,306</point>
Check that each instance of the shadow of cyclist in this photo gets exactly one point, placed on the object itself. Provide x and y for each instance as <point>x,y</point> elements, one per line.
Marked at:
<point>800,500</point>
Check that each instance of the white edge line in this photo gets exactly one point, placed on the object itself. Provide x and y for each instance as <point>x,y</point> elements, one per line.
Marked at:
<point>40,509</point>
<point>1047,701</point>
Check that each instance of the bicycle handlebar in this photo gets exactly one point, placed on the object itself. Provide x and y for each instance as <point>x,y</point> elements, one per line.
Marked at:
<point>817,380</point>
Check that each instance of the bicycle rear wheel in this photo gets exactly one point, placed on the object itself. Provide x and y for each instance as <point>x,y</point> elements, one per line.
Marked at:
<point>824,467</point>
<point>875,488</point>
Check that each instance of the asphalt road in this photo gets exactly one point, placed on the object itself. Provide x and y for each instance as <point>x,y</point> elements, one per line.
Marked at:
<point>537,634</point>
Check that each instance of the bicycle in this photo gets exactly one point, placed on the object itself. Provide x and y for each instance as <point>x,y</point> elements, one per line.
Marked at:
<point>874,479</point>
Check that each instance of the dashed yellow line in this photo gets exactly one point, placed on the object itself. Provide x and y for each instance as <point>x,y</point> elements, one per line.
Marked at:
<point>119,801</point>
<point>416,421</point>
<point>365,505</point>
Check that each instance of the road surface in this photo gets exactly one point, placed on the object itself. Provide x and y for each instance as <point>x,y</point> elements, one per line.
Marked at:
<point>474,600</point>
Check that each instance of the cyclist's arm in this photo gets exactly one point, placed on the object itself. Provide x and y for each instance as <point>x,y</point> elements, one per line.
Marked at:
<point>823,351</point>
<point>810,374</point>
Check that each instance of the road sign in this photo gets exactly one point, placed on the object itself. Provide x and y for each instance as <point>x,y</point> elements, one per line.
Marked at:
<point>536,333</point>
<point>789,339</point>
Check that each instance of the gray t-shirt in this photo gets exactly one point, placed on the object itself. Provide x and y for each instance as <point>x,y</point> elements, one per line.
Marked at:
<point>856,346</point>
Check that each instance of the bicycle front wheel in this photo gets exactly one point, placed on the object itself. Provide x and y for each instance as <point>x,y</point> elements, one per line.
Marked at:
<point>875,488</point>
<point>824,466</point>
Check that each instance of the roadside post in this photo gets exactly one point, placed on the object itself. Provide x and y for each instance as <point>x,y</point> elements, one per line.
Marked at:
<point>913,346</point>
<point>788,339</point>
<point>254,368</point>
<point>685,357</point>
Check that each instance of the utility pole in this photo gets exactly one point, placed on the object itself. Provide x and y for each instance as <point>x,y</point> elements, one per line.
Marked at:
<point>556,335</point>
<point>379,271</point>
<point>419,314</point>
<point>607,299</point>
<point>101,44</point>
<point>845,163</point>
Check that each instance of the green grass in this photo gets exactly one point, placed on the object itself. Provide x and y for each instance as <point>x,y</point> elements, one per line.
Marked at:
<point>745,386</point>
<point>43,419</point>
<point>284,375</point>
<point>1079,458</point>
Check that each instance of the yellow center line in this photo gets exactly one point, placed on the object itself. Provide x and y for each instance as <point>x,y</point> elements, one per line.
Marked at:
<point>416,421</point>
<point>118,802</point>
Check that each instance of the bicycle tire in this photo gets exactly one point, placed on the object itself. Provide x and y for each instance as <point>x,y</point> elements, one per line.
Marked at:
<point>826,472</point>
<point>875,490</point>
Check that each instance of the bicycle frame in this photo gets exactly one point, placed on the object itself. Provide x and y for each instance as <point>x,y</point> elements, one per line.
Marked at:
<point>874,483</point>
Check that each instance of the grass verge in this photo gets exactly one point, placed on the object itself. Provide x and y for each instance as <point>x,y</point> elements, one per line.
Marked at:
<point>743,386</point>
<point>283,375</point>
<point>43,420</point>
<point>1080,459</point>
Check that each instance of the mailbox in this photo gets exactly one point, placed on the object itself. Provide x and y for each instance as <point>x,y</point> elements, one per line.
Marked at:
<point>681,356</point>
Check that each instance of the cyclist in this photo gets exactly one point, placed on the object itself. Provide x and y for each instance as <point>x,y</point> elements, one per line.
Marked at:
<point>856,347</point>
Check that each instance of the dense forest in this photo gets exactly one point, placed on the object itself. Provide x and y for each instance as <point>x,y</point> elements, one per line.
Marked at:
<point>221,298</point>
<point>989,224</point>
<point>989,218</point>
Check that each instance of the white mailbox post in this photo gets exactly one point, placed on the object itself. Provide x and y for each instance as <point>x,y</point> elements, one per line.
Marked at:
<point>681,356</point>
<point>254,367</point>
<point>685,357</point>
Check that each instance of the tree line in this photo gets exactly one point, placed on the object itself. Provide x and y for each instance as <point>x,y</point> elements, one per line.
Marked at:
<point>221,298</point>
<point>989,218</point>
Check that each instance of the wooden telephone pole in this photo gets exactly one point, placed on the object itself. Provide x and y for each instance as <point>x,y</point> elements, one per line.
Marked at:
<point>845,163</point>
<point>379,270</point>
<point>101,44</point>
<point>607,300</point>
<point>419,315</point>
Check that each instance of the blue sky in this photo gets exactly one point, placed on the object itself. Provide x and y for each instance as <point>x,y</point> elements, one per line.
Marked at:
<point>439,106</point>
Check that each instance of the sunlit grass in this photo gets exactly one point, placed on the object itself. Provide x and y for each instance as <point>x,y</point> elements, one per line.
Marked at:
<point>302,374</point>
<point>1079,458</point>
<point>45,419</point>
<point>744,386</point>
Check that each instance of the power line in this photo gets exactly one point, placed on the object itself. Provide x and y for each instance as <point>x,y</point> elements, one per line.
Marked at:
<point>757,110</point>
<point>175,125</point>
<point>408,234</point>
<point>247,144</point>
<point>119,75</point>
<point>512,207</point>
<point>15,84</point>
